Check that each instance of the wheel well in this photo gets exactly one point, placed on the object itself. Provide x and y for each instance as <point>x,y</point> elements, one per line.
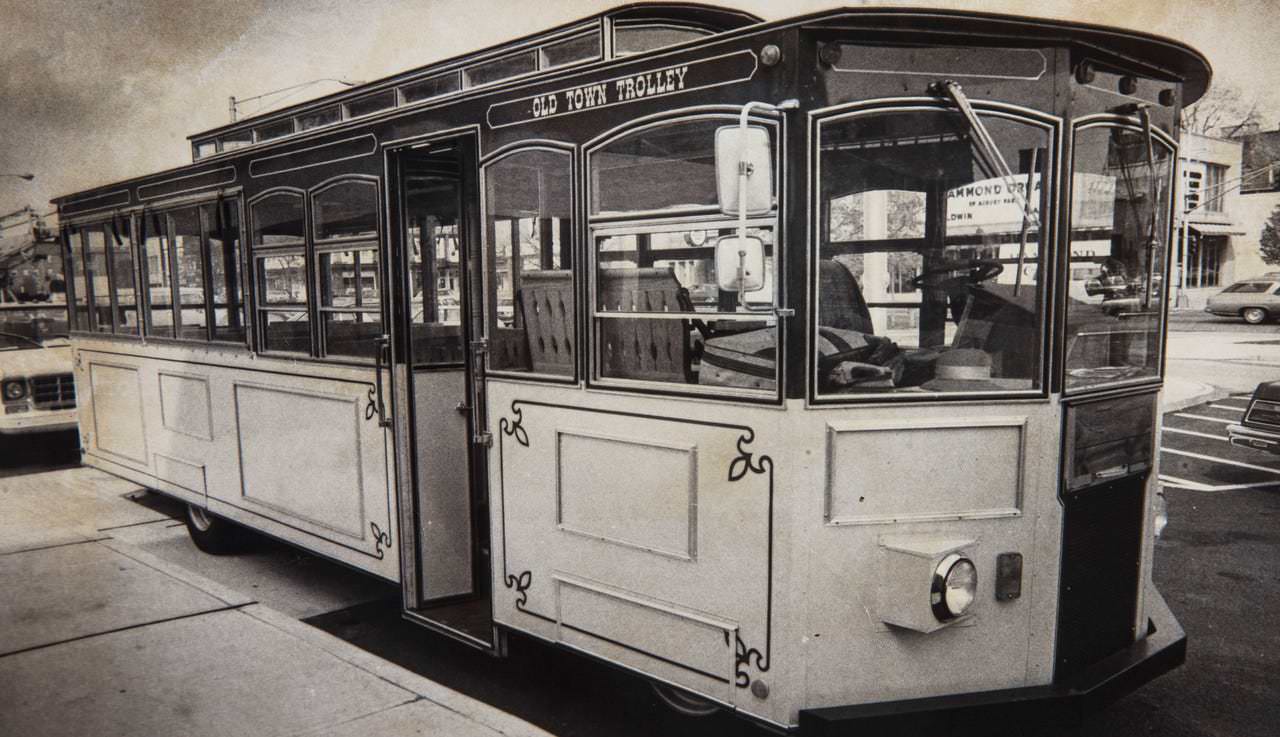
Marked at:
<point>1253,307</point>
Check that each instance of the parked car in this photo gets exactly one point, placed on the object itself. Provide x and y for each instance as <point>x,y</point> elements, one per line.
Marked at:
<point>1260,426</point>
<point>1253,300</point>
<point>37,386</point>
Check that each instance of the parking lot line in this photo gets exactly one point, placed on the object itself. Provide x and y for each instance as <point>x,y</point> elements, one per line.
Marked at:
<point>1223,461</point>
<point>1254,485</point>
<point>1227,407</point>
<point>1219,420</point>
<point>1180,431</point>
<point>1176,482</point>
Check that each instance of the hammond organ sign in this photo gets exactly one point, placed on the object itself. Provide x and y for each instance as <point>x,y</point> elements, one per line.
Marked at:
<point>661,82</point>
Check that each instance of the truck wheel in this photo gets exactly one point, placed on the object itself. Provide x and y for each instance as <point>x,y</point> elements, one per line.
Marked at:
<point>211,534</point>
<point>683,702</point>
<point>1254,315</point>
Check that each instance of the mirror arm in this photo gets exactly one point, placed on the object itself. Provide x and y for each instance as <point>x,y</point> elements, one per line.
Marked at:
<point>744,170</point>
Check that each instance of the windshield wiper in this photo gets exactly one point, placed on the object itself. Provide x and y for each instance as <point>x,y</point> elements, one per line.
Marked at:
<point>995,162</point>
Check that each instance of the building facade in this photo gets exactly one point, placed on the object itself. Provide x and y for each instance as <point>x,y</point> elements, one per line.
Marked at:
<point>1213,246</point>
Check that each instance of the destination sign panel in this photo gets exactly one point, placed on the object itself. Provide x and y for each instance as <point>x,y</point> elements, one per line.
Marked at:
<point>672,79</point>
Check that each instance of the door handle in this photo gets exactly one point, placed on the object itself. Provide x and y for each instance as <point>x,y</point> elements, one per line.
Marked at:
<point>381,348</point>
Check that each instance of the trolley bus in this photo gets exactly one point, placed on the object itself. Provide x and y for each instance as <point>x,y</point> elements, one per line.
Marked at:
<point>745,356</point>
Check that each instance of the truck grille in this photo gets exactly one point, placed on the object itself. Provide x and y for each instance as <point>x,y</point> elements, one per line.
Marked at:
<point>1101,556</point>
<point>54,391</point>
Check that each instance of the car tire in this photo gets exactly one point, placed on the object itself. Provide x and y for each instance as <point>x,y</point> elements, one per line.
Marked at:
<point>1254,315</point>
<point>213,535</point>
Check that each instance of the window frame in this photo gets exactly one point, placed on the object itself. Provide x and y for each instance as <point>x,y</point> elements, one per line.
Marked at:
<point>111,230</point>
<point>337,244</point>
<point>490,282</point>
<point>256,251</point>
<point>1050,272</point>
<point>1133,124</point>
<point>668,220</point>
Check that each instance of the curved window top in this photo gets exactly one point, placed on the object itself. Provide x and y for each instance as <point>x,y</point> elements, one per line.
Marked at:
<point>639,38</point>
<point>680,155</point>
<point>346,210</point>
<point>278,220</point>
<point>929,258</point>
<point>1119,239</point>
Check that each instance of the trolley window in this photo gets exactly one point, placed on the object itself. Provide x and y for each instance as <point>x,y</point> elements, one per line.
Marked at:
<point>1121,185</point>
<point>222,224</point>
<point>279,254</point>
<point>346,240</point>
<point>123,281</point>
<point>528,201</point>
<point>660,311</point>
<point>158,263</point>
<point>98,276</point>
<point>929,255</point>
<point>189,269</point>
<point>74,256</point>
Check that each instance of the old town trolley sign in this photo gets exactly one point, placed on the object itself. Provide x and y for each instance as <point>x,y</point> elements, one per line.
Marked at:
<point>761,360</point>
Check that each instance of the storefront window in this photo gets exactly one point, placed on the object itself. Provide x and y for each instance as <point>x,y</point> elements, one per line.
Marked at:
<point>1121,185</point>
<point>929,254</point>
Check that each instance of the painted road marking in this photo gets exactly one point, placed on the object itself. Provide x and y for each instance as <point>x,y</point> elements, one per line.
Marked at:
<point>1223,406</point>
<point>1180,431</point>
<point>1224,461</point>
<point>1178,483</point>
<point>1206,419</point>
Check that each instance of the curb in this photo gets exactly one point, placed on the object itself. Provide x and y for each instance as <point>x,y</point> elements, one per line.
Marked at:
<point>1203,393</point>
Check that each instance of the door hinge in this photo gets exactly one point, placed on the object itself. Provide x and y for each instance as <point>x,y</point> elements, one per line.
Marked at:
<point>480,347</point>
<point>785,312</point>
<point>484,439</point>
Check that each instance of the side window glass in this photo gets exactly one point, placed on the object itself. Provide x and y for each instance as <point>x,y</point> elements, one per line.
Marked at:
<point>98,276</point>
<point>350,300</point>
<point>159,275</point>
<point>120,241</point>
<point>79,288</point>
<point>665,308</point>
<point>284,325</point>
<point>222,232</point>
<point>435,269</point>
<point>189,264</point>
<point>528,200</point>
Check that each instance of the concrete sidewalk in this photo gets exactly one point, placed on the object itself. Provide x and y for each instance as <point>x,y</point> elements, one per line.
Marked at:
<point>99,637</point>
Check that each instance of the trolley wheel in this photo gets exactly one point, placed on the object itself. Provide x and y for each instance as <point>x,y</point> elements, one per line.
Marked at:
<point>684,702</point>
<point>1254,315</point>
<point>213,535</point>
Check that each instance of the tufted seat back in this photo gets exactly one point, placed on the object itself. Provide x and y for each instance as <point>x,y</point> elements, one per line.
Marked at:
<point>642,348</point>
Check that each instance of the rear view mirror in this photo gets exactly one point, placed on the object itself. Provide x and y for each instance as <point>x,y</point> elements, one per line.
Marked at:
<point>740,264</point>
<point>749,146</point>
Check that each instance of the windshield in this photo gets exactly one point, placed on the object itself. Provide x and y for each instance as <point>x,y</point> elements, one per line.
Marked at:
<point>28,327</point>
<point>929,254</point>
<point>1119,222</point>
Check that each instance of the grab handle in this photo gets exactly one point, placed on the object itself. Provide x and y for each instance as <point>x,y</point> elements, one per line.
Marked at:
<point>381,360</point>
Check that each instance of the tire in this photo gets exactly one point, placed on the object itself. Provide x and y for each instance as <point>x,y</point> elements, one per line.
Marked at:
<point>684,702</point>
<point>1254,315</point>
<point>213,535</point>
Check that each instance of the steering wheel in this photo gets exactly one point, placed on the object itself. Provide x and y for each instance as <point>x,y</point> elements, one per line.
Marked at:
<point>978,271</point>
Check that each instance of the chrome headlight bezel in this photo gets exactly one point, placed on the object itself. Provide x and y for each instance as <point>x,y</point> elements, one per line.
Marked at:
<point>13,390</point>
<point>954,587</point>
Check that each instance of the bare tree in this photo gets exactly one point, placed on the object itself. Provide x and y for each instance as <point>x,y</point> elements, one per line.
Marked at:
<point>1226,110</point>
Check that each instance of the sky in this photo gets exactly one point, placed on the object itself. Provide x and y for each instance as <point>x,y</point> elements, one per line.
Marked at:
<point>94,91</point>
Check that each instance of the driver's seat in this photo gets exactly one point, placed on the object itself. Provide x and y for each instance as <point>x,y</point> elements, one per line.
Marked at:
<point>840,302</point>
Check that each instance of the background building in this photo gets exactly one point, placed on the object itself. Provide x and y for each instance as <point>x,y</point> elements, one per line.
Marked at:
<point>1212,251</point>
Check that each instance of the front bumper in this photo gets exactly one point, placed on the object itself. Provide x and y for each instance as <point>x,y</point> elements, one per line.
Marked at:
<point>1163,649</point>
<point>36,421</point>
<point>1247,437</point>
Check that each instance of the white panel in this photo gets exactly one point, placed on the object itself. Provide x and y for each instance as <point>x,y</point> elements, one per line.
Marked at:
<point>645,496</point>
<point>651,628</point>
<point>882,472</point>
<point>184,405</point>
<point>444,495</point>
<point>187,475</point>
<point>117,411</point>
<point>300,454</point>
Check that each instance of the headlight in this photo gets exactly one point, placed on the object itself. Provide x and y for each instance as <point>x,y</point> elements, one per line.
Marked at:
<point>14,390</point>
<point>955,585</point>
<point>1162,513</point>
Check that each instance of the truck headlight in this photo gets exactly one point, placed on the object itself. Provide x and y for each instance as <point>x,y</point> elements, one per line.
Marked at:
<point>955,586</point>
<point>1161,520</point>
<point>14,389</point>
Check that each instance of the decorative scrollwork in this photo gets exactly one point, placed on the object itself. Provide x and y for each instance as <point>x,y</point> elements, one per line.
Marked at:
<point>381,539</point>
<point>371,404</point>
<point>744,659</point>
<point>521,583</point>
<point>514,427</point>
<point>748,461</point>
